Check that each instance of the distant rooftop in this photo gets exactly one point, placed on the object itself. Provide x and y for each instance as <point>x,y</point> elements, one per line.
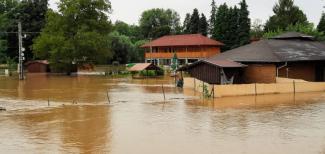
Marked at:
<point>183,40</point>
<point>293,35</point>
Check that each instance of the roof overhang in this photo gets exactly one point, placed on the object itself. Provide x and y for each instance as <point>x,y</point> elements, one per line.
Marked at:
<point>143,66</point>
<point>217,63</point>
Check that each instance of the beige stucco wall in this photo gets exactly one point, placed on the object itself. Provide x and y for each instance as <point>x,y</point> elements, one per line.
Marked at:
<point>283,86</point>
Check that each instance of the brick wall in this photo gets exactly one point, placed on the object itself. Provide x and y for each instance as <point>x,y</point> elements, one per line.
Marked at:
<point>260,73</point>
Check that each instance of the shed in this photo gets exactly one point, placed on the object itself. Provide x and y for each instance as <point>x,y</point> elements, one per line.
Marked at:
<point>144,67</point>
<point>37,66</point>
<point>215,71</point>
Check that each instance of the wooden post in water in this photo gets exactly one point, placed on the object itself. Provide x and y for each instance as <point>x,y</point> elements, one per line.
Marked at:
<point>163,90</point>
<point>294,87</point>
<point>255,89</point>
<point>194,84</point>
<point>48,101</point>
<point>109,101</point>
<point>213,91</point>
<point>175,79</point>
<point>203,89</point>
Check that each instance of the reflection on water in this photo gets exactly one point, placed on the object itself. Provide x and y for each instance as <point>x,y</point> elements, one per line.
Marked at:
<point>138,120</point>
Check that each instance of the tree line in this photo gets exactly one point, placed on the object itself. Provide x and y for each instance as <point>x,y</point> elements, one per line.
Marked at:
<point>81,30</point>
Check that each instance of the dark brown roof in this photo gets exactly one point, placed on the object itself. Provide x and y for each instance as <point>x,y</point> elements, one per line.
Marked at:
<point>224,63</point>
<point>218,63</point>
<point>276,50</point>
<point>183,40</point>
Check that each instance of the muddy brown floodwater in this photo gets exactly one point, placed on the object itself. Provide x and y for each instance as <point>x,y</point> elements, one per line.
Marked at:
<point>138,121</point>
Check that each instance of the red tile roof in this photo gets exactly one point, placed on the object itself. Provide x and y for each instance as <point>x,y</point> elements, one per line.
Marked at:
<point>183,40</point>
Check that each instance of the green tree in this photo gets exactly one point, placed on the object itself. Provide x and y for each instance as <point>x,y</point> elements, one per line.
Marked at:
<point>220,26</point>
<point>321,25</point>
<point>224,27</point>
<point>257,31</point>
<point>77,34</point>
<point>187,24</point>
<point>285,13</point>
<point>3,41</point>
<point>203,25</point>
<point>195,22</point>
<point>32,15</point>
<point>122,48</point>
<point>6,8</point>
<point>232,37</point>
<point>139,52</point>
<point>132,31</point>
<point>212,20</point>
<point>155,23</point>
<point>122,28</point>
<point>244,24</point>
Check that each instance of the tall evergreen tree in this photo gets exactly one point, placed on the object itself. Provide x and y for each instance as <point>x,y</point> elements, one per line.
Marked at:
<point>244,24</point>
<point>321,25</point>
<point>285,13</point>
<point>187,24</point>
<point>232,38</point>
<point>221,25</point>
<point>212,17</point>
<point>203,25</point>
<point>195,22</point>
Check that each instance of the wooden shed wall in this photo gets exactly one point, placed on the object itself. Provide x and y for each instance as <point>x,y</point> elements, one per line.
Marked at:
<point>305,71</point>
<point>206,73</point>
<point>37,68</point>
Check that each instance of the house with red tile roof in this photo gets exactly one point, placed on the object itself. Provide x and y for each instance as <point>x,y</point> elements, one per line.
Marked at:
<point>189,48</point>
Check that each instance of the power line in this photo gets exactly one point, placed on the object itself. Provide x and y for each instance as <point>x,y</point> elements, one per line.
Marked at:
<point>21,32</point>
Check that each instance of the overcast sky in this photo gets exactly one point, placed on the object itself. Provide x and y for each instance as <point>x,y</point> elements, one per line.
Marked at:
<point>129,11</point>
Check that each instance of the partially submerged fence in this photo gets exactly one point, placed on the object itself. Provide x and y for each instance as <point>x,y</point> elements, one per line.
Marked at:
<point>282,86</point>
<point>2,72</point>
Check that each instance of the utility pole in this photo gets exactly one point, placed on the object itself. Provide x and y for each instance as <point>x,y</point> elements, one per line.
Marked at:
<point>21,52</point>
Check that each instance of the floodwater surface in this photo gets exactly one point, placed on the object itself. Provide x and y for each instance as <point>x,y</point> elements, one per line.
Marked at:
<point>56,114</point>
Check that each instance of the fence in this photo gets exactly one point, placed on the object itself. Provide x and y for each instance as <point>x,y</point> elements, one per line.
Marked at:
<point>282,86</point>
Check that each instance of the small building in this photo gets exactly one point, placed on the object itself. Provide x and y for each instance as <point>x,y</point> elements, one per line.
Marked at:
<point>37,66</point>
<point>189,48</point>
<point>146,67</point>
<point>290,55</point>
<point>216,71</point>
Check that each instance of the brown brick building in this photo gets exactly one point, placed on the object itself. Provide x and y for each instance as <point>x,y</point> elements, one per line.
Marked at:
<point>290,55</point>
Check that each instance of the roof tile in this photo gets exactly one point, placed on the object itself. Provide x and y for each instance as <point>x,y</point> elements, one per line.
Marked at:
<point>183,40</point>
